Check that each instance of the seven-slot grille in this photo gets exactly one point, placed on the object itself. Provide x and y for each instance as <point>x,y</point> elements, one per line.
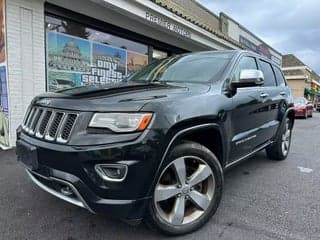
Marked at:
<point>50,124</point>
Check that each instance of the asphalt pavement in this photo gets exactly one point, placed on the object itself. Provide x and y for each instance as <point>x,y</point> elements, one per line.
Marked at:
<point>262,199</point>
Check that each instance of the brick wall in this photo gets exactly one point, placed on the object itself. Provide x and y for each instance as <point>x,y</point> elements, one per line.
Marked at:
<point>26,56</point>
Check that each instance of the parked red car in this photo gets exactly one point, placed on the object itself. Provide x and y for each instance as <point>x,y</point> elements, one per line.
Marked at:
<point>302,108</point>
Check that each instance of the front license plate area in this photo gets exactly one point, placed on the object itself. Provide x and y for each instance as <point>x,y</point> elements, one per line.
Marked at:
<point>27,154</point>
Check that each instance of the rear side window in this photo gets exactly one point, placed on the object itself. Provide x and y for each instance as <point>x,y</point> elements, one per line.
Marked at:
<point>269,78</point>
<point>280,78</point>
<point>245,63</point>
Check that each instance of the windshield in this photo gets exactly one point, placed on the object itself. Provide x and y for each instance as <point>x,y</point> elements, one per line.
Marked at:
<point>299,101</point>
<point>201,67</point>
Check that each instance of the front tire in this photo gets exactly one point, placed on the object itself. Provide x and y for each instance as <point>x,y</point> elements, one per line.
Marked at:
<point>187,192</point>
<point>280,149</point>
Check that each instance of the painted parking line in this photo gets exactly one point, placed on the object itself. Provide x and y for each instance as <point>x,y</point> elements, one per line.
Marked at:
<point>305,170</point>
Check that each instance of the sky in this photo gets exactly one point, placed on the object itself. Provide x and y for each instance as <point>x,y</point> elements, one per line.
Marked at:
<point>291,26</point>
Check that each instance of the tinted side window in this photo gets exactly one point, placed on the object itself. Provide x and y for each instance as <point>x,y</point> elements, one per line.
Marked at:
<point>269,78</point>
<point>245,63</point>
<point>280,78</point>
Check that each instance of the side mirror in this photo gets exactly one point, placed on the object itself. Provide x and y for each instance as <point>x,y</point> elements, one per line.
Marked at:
<point>248,78</point>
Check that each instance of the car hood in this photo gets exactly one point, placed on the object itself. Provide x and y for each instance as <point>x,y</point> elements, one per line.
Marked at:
<point>124,96</point>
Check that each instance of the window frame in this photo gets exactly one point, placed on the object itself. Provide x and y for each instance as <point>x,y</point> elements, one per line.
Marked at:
<point>282,74</point>
<point>238,62</point>
<point>271,65</point>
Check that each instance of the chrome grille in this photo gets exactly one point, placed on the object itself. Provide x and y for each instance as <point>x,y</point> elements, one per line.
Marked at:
<point>50,124</point>
<point>43,124</point>
<point>68,126</point>
<point>54,126</point>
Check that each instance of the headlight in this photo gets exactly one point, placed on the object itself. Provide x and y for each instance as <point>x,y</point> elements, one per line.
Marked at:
<point>121,122</point>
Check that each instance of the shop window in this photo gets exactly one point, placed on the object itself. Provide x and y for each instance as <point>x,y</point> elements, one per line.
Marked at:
<point>78,55</point>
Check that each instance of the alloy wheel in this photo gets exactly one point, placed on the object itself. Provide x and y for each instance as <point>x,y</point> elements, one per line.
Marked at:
<point>184,191</point>
<point>286,137</point>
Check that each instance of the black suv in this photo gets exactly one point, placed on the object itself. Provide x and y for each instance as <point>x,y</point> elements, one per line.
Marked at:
<point>155,146</point>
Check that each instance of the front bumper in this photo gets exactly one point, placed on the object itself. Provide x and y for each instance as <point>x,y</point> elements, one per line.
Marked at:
<point>81,196</point>
<point>54,185</point>
<point>299,112</point>
<point>63,167</point>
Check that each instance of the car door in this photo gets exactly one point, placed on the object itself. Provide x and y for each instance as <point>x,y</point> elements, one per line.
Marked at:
<point>284,90</point>
<point>246,116</point>
<point>272,100</point>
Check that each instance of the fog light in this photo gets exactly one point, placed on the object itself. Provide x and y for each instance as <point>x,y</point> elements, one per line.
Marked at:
<point>112,172</point>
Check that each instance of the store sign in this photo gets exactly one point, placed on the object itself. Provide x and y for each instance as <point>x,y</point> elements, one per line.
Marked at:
<point>167,24</point>
<point>261,49</point>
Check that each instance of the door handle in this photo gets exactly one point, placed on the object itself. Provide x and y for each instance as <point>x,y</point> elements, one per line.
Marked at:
<point>283,93</point>
<point>264,95</point>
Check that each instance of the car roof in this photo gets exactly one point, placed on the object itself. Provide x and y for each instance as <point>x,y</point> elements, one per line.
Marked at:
<point>233,53</point>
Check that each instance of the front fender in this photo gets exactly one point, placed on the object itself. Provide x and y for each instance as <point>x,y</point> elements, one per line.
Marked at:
<point>183,132</point>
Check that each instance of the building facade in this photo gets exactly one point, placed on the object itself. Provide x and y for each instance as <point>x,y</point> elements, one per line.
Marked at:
<point>247,39</point>
<point>56,44</point>
<point>304,82</point>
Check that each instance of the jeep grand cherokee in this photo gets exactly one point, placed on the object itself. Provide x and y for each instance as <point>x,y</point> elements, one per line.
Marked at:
<point>155,146</point>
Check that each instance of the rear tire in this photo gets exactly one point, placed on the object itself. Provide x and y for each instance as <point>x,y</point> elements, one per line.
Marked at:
<point>280,149</point>
<point>187,192</point>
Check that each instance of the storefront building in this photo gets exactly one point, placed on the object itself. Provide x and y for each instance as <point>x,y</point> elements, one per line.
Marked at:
<point>246,38</point>
<point>57,44</point>
<point>303,81</point>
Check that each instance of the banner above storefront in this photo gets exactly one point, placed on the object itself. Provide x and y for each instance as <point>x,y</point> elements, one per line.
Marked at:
<point>261,48</point>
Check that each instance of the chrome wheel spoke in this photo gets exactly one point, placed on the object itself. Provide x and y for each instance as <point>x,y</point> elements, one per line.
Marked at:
<point>288,133</point>
<point>177,214</point>
<point>200,200</point>
<point>286,140</point>
<point>164,192</point>
<point>201,174</point>
<point>286,144</point>
<point>180,170</point>
<point>283,149</point>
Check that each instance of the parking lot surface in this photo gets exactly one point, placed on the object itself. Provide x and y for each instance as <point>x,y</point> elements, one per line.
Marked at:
<point>262,199</point>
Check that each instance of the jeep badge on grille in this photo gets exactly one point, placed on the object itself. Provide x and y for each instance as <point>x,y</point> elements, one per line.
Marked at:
<point>44,102</point>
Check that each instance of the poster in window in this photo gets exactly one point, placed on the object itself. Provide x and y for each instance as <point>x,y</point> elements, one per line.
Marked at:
<point>58,80</point>
<point>73,61</point>
<point>135,62</point>
<point>108,65</point>
<point>4,109</point>
<point>68,53</point>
